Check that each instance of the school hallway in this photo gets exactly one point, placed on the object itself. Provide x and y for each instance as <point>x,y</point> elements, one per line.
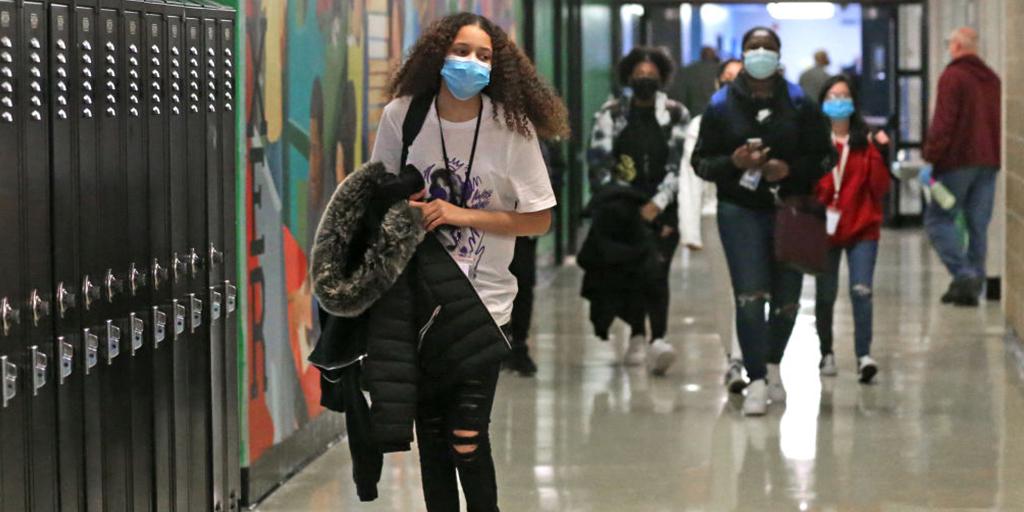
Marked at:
<point>939,430</point>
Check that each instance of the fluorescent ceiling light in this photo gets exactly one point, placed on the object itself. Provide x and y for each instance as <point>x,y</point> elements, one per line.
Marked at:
<point>713,14</point>
<point>802,10</point>
<point>633,10</point>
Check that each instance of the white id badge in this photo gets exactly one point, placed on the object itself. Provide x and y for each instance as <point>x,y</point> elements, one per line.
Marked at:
<point>751,179</point>
<point>832,220</point>
<point>465,264</point>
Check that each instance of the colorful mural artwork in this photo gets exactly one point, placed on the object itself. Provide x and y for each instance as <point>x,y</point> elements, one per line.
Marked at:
<point>315,72</point>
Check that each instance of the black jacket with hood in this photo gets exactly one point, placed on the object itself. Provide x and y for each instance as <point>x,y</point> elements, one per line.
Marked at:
<point>788,122</point>
<point>400,319</point>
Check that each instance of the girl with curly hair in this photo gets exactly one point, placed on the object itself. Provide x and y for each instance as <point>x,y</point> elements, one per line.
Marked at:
<point>487,183</point>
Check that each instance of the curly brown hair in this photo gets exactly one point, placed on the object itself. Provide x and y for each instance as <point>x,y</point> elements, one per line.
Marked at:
<point>515,86</point>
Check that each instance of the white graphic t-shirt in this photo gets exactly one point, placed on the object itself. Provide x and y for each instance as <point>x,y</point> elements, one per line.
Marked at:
<point>508,175</point>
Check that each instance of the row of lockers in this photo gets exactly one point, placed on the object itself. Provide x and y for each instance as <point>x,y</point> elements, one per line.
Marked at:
<point>117,260</point>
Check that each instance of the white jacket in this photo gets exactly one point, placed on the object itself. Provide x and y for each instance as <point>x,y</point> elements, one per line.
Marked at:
<point>696,196</point>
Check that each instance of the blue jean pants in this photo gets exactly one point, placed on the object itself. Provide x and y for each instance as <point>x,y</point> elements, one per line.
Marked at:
<point>758,280</point>
<point>975,190</point>
<point>861,258</point>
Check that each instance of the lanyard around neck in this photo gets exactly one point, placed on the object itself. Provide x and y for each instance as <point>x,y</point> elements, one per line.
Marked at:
<point>461,200</point>
<point>840,169</point>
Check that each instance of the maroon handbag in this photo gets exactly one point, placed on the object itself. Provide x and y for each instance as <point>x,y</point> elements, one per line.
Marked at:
<point>801,240</point>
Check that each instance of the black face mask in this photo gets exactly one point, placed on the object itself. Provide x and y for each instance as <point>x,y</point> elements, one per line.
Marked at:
<point>644,88</point>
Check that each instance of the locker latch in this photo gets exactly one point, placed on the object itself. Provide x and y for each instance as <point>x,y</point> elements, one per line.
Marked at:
<point>40,308</point>
<point>9,373</point>
<point>67,358</point>
<point>112,346</point>
<point>92,349</point>
<point>179,318</point>
<point>159,274</point>
<point>90,293</point>
<point>138,327</point>
<point>65,299</point>
<point>216,257</point>
<point>9,315</point>
<point>195,263</point>
<point>113,284</point>
<point>178,266</point>
<point>159,326</point>
<point>231,298</point>
<point>39,364</point>
<point>136,279</point>
<point>216,299</point>
<point>196,306</point>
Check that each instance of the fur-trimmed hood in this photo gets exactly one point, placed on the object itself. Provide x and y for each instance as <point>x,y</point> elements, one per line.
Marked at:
<point>356,259</point>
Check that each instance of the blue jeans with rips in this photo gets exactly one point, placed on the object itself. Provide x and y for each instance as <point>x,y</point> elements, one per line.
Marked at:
<point>861,258</point>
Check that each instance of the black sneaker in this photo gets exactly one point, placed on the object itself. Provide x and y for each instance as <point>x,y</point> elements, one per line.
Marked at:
<point>964,292</point>
<point>519,361</point>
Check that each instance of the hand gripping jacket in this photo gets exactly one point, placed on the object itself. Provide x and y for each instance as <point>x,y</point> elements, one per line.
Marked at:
<point>398,316</point>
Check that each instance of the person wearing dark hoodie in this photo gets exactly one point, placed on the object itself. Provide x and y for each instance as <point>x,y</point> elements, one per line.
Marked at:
<point>853,193</point>
<point>964,148</point>
<point>761,140</point>
<point>643,134</point>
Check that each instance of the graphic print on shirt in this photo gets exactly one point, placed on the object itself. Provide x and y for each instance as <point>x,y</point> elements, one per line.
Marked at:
<point>466,245</point>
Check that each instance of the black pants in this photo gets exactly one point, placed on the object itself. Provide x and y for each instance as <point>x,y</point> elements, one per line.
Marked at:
<point>657,298</point>
<point>464,407</point>
<point>524,267</point>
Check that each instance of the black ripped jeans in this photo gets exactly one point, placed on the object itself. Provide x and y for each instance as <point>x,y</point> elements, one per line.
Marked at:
<point>464,407</point>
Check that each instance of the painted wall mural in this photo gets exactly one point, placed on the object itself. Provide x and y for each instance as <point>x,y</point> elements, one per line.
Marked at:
<point>314,77</point>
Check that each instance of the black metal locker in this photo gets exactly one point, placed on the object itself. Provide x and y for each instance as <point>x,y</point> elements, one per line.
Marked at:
<point>138,345</point>
<point>36,253</point>
<point>13,405</point>
<point>178,206</point>
<point>66,371</point>
<point>156,108</point>
<point>200,489</point>
<point>232,432</point>
<point>94,331</point>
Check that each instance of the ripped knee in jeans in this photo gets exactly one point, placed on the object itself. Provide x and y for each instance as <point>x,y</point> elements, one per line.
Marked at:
<point>466,445</point>
<point>861,291</point>
<point>788,311</point>
<point>752,301</point>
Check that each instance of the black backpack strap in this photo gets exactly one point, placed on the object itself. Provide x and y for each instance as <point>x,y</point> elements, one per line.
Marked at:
<point>413,122</point>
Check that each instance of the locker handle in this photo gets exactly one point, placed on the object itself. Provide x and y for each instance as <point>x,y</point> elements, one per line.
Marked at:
<point>195,263</point>
<point>40,308</point>
<point>196,306</point>
<point>216,302</point>
<point>179,267</point>
<point>159,326</point>
<point>65,299</point>
<point>39,366</point>
<point>159,274</point>
<point>67,359</point>
<point>179,318</point>
<point>90,292</point>
<point>9,316</point>
<point>113,284</point>
<point>216,257</point>
<point>231,296</point>
<point>9,374</point>
<point>92,349</point>
<point>136,279</point>
<point>138,332</point>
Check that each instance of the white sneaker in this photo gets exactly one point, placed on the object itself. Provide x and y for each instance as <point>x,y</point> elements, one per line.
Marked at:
<point>636,353</point>
<point>776,391</point>
<point>828,366</point>
<point>660,356</point>
<point>734,381</point>
<point>756,402</point>
<point>867,368</point>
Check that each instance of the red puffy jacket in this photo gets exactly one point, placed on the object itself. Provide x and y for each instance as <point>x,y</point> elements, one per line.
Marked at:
<point>865,183</point>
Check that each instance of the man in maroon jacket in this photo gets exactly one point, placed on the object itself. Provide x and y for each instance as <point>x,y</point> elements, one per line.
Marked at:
<point>963,147</point>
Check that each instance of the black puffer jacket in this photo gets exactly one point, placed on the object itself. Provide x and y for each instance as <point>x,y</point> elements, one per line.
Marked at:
<point>619,257</point>
<point>401,317</point>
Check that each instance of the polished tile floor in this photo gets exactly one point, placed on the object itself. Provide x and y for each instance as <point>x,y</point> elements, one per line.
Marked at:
<point>942,429</point>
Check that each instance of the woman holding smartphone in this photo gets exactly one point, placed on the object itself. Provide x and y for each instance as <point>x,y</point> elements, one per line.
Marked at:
<point>487,183</point>
<point>760,140</point>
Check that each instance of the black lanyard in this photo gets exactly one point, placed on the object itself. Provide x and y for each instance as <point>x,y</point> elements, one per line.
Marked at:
<point>461,200</point>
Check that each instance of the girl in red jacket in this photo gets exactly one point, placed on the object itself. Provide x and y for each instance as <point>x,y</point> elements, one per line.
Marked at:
<point>853,193</point>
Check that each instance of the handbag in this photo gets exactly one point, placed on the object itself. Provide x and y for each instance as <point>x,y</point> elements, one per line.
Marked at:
<point>801,240</point>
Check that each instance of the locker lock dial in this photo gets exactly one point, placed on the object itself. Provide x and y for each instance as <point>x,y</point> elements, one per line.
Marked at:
<point>136,279</point>
<point>65,299</point>
<point>9,315</point>
<point>113,285</point>
<point>90,292</point>
<point>40,308</point>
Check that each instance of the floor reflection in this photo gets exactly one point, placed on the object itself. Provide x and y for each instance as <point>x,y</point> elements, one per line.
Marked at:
<point>943,428</point>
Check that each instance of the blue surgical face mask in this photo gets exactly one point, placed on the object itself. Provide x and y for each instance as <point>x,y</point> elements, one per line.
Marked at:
<point>838,108</point>
<point>761,63</point>
<point>465,76</point>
